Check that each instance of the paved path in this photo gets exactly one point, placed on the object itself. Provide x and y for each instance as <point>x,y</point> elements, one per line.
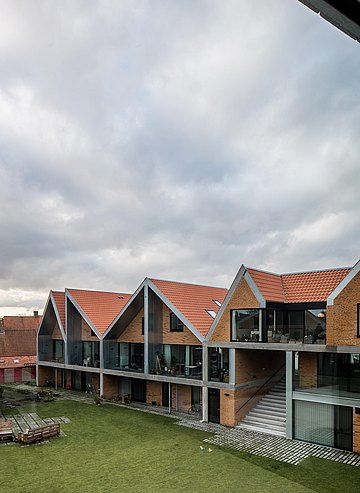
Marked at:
<point>273,447</point>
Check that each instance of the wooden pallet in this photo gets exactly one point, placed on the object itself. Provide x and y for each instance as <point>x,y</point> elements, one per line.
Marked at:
<point>39,434</point>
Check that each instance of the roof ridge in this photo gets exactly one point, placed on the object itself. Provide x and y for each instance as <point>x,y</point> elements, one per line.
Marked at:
<point>97,291</point>
<point>315,270</point>
<point>264,271</point>
<point>186,283</point>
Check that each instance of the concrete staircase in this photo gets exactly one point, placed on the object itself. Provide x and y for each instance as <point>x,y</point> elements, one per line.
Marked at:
<point>269,414</point>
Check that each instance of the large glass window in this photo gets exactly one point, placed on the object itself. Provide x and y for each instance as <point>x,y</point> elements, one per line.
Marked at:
<point>246,325</point>
<point>219,365</point>
<point>176,324</point>
<point>58,351</point>
<point>91,353</point>
<point>179,360</point>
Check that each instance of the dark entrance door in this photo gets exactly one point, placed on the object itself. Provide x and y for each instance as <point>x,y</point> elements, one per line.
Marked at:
<point>138,390</point>
<point>343,427</point>
<point>214,405</point>
<point>166,398</point>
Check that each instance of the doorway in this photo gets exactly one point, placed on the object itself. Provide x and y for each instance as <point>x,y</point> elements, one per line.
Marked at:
<point>214,405</point>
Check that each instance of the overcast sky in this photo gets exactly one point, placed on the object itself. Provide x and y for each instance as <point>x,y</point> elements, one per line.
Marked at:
<point>173,139</point>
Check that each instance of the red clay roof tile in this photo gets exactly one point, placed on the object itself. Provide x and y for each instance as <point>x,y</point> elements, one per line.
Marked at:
<point>301,287</point>
<point>100,307</point>
<point>193,301</point>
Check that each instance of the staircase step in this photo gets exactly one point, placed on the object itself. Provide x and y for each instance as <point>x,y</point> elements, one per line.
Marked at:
<point>268,412</point>
<point>262,430</point>
<point>265,419</point>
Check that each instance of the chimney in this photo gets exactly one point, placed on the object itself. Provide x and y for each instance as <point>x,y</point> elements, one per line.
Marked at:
<point>36,313</point>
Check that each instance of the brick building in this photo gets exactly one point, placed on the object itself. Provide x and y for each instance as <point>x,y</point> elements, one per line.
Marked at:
<point>279,353</point>
<point>18,348</point>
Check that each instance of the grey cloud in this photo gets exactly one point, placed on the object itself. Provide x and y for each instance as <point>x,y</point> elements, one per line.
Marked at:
<point>175,140</point>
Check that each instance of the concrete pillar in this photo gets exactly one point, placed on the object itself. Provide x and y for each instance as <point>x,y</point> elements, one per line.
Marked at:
<point>289,391</point>
<point>146,329</point>
<point>232,366</point>
<point>205,412</point>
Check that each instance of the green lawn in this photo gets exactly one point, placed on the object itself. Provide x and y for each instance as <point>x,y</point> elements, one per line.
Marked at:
<point>113,449</point>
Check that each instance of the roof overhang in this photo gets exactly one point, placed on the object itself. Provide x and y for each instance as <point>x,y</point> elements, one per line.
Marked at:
<point>343,14</point>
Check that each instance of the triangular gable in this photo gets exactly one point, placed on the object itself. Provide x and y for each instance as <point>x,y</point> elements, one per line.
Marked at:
<point>126,306</point>
<point>57,300</point>
<point>242,274</point>
<point>175,310</point>
<point>98,308</point>
<point>347,279</point>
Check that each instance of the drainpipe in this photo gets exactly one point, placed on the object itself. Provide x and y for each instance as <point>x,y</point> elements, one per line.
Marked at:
<point>169,398</point>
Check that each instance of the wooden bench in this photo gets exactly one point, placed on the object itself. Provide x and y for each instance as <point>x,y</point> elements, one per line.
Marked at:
<point>39,434</point>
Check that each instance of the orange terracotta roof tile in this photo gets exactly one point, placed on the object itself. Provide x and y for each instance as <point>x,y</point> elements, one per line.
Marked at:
<point>312,286</point>
<point>300,287</point>
<point>269,285</point>
<point>100,307</point>
<point>193,301</point>
<point>59,297</point>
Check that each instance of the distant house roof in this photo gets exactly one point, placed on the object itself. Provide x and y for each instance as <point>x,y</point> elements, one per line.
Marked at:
<point>17,361</point>
<point>100,307</point>
<point>21,322</point>
<point>301,287</point>
<point>18,336</point>
<point>193,301</point>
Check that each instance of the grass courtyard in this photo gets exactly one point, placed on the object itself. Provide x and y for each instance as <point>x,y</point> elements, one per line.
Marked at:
<point>113,449</point>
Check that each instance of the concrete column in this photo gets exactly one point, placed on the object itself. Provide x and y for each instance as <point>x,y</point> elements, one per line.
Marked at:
<point>289,391</point>
<point>101,345</point>
<point>232,366</point>
<point>101,392</point>
<point>205,412</point>
<point>205,364</point>
<point>146,329</point>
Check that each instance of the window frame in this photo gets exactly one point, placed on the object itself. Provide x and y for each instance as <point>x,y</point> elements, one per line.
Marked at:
<point>179,327</point>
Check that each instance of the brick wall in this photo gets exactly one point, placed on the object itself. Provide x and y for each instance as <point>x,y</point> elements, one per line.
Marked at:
<point>253,364</point>
<point>185,337</point>
<point>154,393</point>
<point>183,400</point>
<point>110,386</point>
<point>341,318</point>
<point>86,332</point>
<point>132,333</point>
<point>308,370</point>
<point>57,333</point>
<point>243,297</point>
<point>356,432</point>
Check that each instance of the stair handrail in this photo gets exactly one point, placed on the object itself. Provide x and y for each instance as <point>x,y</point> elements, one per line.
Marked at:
<point>261,387</point>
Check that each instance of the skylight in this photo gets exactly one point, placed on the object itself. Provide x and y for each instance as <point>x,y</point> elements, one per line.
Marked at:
<point>217,302</point>
<point>211,313</point>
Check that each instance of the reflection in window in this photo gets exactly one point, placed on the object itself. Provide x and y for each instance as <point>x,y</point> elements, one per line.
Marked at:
<point>246,325</point>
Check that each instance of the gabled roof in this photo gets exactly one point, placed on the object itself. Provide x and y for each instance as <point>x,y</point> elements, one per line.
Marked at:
<point>100,307</point>
<point>193,301</point>
<point>21,322</point>
<point>300,287</point>
<point>59,298</point>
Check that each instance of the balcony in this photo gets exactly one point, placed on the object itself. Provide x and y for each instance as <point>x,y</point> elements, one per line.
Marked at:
<point>279,326</point>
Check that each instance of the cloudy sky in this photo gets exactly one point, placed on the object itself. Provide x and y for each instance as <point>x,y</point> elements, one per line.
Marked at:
<point>172,139</point>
